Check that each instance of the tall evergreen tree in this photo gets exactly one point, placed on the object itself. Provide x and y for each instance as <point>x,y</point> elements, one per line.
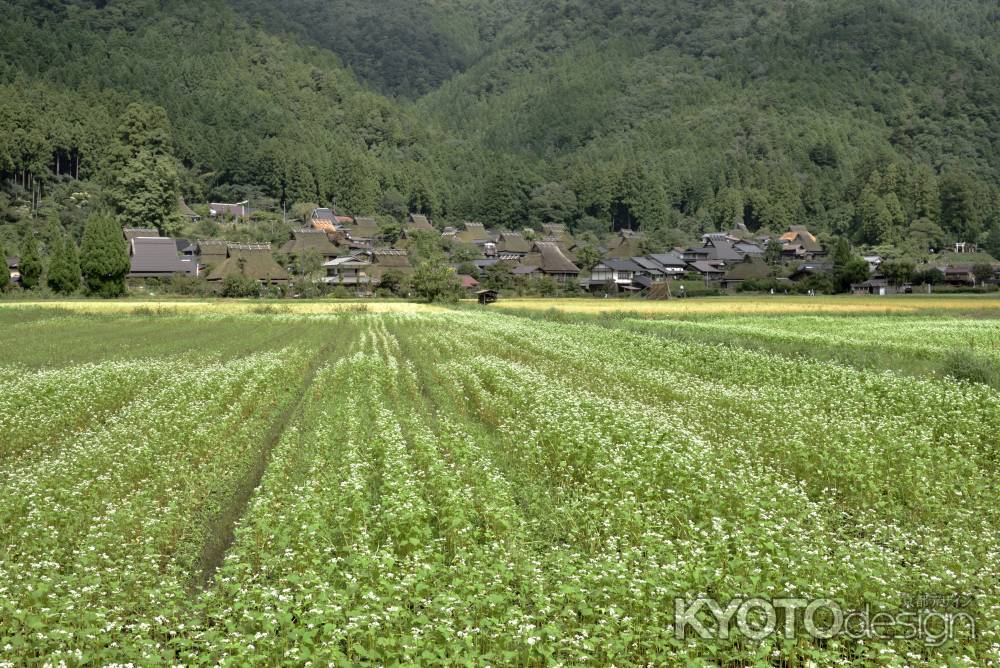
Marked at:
<point>144,183</point>
<point>31,262</point>
<point>64,268</point>
<point>105,261</point>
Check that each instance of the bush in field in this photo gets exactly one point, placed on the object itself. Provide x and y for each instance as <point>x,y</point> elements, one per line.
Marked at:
<point>434,281</point>
<point>188,286</point>
<point>105,261</point>
<point>240,286</point>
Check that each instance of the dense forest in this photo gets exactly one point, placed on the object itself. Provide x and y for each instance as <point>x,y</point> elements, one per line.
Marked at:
<point>878,120</point>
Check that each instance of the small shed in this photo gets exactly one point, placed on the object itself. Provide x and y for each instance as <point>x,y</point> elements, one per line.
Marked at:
<point>487,297</point>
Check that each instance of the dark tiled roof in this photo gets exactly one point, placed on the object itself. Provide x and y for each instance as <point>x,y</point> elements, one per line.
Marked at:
<point>155,256</point>
<point>621,265</point>
<point>669,259</point>
<point>704,267</point>
<point>323,214</point>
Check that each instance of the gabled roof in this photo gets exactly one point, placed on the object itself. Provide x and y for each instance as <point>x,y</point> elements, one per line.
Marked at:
<point>513,242</point>
<point>362,228</point>
<point>323,214</point>
<point>524,270</point>
<point>391,257</point>
<point>621,265</point>
<point>556,230</point>
<point>705,267</point>
<point>135,232</point>
<point>721,248</point>
<point>13,262</point>
<point>748,248</point>
<point>468,281</point>
<point>554,261</point>
<point>749,268</point>
<point>185,210</point>
<point>798,235</point>
<point>649,265</point>
<point>419,221</point>
<point>213,248</point>
<point>349,261</point>
<point>154,256</point>
<point>310,239</point>
<point>625,244</point>
<point>473,233</point>
<point>251,260</point>
<point>797,231</point>
<point>669,259</point>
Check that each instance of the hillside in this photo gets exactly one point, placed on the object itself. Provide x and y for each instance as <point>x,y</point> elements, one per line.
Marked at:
<point>399,47</point>
<point>876,120</point>
<point>769,113</point>
<point>251,115</point>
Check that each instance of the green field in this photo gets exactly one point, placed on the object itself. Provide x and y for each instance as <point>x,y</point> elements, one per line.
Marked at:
<point>262,485</point>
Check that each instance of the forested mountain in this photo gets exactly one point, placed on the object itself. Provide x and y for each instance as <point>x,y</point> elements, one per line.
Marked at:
<point>250,114</point>
<point>770,113</point>
<point>877,119</point>
<point>399,47</point>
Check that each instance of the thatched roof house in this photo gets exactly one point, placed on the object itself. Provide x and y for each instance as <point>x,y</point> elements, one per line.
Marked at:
<point>310,239</point>
<point>252,260</point>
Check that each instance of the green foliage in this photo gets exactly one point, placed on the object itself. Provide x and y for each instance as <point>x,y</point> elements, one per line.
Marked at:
<point>866,120</point>
<point>983,272</point>
<point>848,268</point>
<point>435,281</point>
<point>5,282</point>
<point>32,266</point>
<point>588,257</point>
<point>64,267</point>
<point>104,260</point>
<point>309,263</point>
<point>239,286</point>
<point>898,272</point>
<point>772,253</point>
<point>394,282</point>
<point>143,186</point>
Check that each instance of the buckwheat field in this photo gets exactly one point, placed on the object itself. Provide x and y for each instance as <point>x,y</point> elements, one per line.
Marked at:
<point>475,487</point>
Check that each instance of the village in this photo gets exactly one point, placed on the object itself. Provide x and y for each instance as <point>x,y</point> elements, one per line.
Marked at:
<point>360,257</point>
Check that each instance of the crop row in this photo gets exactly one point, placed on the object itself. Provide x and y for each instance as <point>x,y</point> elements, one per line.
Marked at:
<point>472,488</point>
<point>104,526</point>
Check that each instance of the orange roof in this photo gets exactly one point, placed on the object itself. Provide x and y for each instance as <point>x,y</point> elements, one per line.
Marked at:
<point>323,225</point>
<point>344,220</point>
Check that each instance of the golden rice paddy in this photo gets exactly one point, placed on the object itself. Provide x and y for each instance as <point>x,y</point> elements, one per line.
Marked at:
<point>908,304</point>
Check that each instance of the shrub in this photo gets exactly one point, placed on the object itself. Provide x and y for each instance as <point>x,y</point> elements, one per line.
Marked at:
<point>240,286</point>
